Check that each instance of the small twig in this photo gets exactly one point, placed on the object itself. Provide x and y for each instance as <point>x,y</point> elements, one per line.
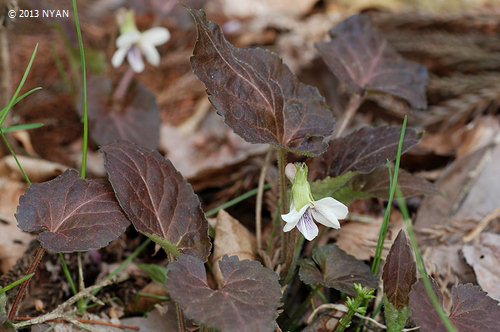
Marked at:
<point>343,308</point>
<point>349,113</point>
<point>260,195</point>
<point>86,321</point>
<point>24,285</point>
<point>58,313</point>
<point>481,226</point>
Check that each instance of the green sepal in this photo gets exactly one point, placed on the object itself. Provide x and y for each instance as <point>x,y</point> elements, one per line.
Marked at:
<point>165,244</point>
<point>395,319</point>
<point>301,190</point>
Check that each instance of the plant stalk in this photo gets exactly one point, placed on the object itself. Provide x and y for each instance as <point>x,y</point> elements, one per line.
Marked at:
<point>351,109</point>
<point>260,195</point>
<point>283,199</point>
<point>178,310</point>
<point>24,285</point>
<point>122,87</point>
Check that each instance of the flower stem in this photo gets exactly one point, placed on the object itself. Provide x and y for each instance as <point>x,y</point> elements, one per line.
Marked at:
<point>180,315</point>
<point>122,87</point>
<point>283,199</point>
<point>24,285</point>
<point>349,113</point>
<point>260,195</point>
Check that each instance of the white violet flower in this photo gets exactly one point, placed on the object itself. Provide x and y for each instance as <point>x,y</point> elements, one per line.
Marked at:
<point>304,210</point>
<point>133,43</point>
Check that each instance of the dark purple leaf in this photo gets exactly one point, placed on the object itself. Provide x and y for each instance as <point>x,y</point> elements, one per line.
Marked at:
<point>246,302</point>
<point>257,95</point>
<point>157,199</point>
<point>422,309</point>
<point>363,151</point>
<point>135,119</point>
<point>362,59</point>
<point>472,310</point>
<point>71,213</point>
<point>332,267</point>
<point>399,272</point>
<point>377,183</point>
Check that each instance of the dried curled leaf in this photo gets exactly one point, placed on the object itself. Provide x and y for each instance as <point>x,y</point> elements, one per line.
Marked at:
<point>362,151</point>
<point>257,95</point>
<point>362,59</point>
<point>157,199</point>
<point>471,311</point>
<point>136,120</point>
<point>71,213</point>
<point>400,272</point>
<point>247,300</point>
<point>332,267</point>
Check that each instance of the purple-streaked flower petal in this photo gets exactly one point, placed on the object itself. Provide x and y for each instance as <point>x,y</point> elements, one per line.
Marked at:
<point>293,217</point>
<point>134,58</point>
<point>307,226</point>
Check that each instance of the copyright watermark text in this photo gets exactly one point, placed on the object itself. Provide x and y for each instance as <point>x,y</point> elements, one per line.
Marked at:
<point>38,13</point>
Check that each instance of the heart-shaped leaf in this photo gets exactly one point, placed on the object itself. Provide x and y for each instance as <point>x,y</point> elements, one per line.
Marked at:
<point>362,59</point>
<point>71,213</point>
<point>400,272</point>
<point>332,267</point>
<point>471,311</point>
<point>136,119</point>
<point>257,95</point>
<point>362,151</point>
<point>157,199</point>
<point>247,300</point>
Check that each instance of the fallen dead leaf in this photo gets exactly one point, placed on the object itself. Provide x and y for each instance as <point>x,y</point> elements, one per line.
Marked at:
<point>13,241</point>
<point>484,257</point>
<point>480,133</point>
<point>231,238</point>
<point>37,170</point>
<point>252,8</point>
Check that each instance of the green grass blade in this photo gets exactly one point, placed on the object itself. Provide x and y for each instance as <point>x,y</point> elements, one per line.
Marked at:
<point>15,157</point>
<point>420,263</point>
<point>235,201</point>
<point>27,126</point>
<point>15,283</point>
<point>385,224</point>
<point>18,90</point>
<point>18,99</point>
<point>85,103</point>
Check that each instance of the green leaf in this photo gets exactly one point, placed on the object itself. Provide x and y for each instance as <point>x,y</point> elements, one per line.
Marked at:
<point>5,325</point>
<point>27,126</point>
<point>328,186</point>
<point>156,272</point>
<point>394,318</point>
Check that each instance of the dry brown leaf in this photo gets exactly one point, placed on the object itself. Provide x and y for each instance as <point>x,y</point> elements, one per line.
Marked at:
<point>252,8</point>
<point>38,170</point>
<point>211,148</point>
<point>231,238</point>
<point>144,303</point>
<point>359,239</point>
<point>13,241</point>
<point>480,133</point>
<point>484,257</point>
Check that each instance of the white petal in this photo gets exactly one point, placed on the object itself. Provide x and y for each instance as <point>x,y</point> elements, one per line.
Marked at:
<point>307,226</point>
<point>327,211</point>
<point>150,53</point>
<point>135,59</point>
<point>293,217</point>
<point>118,57</point>
<point>128,39</point>
<point>156,36</point>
